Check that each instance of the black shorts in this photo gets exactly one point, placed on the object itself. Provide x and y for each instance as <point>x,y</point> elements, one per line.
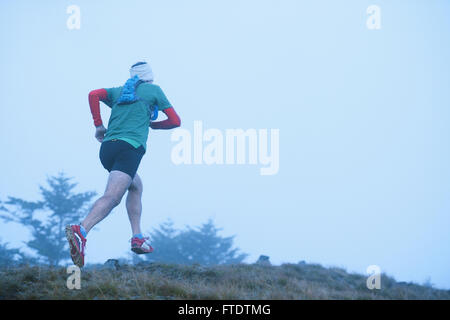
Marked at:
<point>120,155</point>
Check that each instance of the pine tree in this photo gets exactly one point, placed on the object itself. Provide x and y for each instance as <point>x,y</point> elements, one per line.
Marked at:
<point>200,245</point>
<point>203,245</point>
<point>8,256</point>
<point>60,205</point>
<point>165,240</point>
<point>11,257</point>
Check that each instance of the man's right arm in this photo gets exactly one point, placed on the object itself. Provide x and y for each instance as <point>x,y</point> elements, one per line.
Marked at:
<point>95,96</point>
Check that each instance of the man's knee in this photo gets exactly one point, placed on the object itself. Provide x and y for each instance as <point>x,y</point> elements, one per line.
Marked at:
<point>136,185</point>
<point>135,189</point>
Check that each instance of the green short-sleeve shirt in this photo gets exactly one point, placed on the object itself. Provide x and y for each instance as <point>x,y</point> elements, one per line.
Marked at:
<point>130,122</point>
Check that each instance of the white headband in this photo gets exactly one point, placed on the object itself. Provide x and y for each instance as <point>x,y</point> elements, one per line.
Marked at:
<point>143,71</point>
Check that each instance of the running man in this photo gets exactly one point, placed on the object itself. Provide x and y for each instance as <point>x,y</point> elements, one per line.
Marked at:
<point>123,144</point>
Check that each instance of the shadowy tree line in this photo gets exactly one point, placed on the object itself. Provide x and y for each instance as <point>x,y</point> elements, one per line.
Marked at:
<point>60,205</point>
<point>47,218</point>
<point>201,245</point>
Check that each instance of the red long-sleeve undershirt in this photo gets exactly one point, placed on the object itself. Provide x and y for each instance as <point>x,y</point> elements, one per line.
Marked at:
<point>95,96</point>
<point>172,121</point>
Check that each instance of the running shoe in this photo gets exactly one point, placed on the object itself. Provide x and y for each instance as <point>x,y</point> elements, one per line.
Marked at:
<point>141,245</point>
<point>77,244</point>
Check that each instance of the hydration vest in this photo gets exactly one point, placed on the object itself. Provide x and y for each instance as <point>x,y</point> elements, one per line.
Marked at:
<point>128,95</point>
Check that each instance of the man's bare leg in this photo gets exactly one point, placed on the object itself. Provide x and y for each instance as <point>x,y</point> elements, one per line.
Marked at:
<point>134,204</point>
<point>139,244</point>
<point>118,183</point>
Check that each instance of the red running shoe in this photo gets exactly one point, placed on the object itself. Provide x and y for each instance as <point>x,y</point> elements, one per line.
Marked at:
<point>77,244</point>
<point>140,245</point>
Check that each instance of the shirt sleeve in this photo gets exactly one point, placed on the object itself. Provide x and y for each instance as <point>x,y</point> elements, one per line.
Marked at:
<point>161,100</point>
<point>95,96</point>
<point>172,121</point>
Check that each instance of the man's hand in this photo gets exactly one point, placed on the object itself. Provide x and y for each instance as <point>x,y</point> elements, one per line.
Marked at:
<point>100,133</point>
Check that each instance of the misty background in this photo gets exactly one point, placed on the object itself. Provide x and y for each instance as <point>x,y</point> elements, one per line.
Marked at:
<point>363,118</point>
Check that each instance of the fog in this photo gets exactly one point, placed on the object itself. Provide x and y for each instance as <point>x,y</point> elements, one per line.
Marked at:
<point>361,114</point>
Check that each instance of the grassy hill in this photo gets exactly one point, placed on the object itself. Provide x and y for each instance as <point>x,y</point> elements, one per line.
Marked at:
<point>243,281</point>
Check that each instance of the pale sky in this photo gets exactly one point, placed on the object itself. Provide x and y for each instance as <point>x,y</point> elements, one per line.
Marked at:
<point>362,116</point>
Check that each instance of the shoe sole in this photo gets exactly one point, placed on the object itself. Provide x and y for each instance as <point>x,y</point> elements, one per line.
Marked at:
<point>76,258</point>
<point>140,251</point>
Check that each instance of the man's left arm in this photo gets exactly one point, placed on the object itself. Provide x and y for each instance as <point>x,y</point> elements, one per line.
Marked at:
<point>172,121</point>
